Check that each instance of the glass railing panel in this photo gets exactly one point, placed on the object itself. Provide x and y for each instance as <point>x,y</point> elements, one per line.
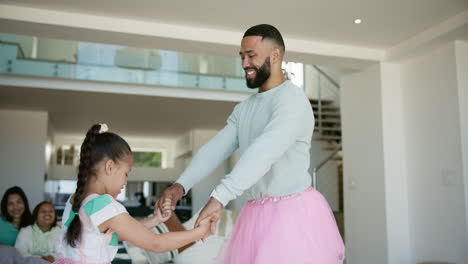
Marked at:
<point>211,82</point>
<point>7,55</point>
<point>34,68</point>
<point>113,63</point>
<point>237,85</point>
<point>187,80</point>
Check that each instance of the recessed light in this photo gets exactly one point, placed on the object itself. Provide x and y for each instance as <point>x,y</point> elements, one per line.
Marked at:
<point>357,21</point>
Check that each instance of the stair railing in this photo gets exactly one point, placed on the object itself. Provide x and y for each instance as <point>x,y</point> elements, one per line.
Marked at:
<point>320,86</point>
<point>321,164</point>
<point>319,100</point>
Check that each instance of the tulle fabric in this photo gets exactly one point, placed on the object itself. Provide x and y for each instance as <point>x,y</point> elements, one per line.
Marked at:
<point>297,228</point>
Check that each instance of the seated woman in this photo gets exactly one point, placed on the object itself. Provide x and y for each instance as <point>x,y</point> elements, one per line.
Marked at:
<point>15,215</point>
<point>39,239</point>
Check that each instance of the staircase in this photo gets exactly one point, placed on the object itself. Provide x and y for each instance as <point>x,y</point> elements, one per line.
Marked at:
<point>327,121</point>
<point>328,128</point>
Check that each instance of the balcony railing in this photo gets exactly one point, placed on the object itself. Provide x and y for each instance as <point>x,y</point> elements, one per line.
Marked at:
<point>11,62</point>
<point>77,60</point>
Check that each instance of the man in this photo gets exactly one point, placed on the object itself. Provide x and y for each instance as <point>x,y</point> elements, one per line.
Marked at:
<point>286,221</point>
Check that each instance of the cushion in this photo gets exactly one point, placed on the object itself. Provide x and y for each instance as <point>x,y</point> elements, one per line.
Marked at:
<point>171,225</point>
<point>164,257</point>
<point>194,253</point>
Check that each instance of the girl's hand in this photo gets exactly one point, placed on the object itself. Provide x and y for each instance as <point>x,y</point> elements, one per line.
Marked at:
<point>204,226</point>
<point>165,214</point>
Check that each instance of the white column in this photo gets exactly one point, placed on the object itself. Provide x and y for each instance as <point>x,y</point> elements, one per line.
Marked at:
<point>396,183</point>
<point>23,137</point>
<point>363,167</point>
<point>433,147</point>
<point>461,57</point>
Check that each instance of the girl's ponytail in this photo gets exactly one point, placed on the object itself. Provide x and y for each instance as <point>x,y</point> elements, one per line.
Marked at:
<point>84,171</point>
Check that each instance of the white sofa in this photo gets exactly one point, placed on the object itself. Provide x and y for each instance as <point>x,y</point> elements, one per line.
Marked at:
<point>198,253</point>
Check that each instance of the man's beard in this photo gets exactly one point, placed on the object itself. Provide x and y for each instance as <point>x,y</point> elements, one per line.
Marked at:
<point>261,76</point>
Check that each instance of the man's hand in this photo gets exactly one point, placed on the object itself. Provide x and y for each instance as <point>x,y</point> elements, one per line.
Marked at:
<point>213,209</point>
<point>164,214</point>
<point>48,258</point>
<point>173,193</point>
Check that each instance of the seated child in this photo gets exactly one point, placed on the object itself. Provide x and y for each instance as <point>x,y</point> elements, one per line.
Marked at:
<point>94,221</point>
<point>40,238</point>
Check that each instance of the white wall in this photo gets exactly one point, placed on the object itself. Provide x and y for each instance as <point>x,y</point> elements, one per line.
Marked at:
<point>56,50</point>
<point>183,145</point>
<point>23,136</point>
<point>363,167</point>
<point>396,189</point>
<point>434,163</point>
<point>327,176</point>
<point>461,53</point>
<point>405,164</point>
<point>49,146</point>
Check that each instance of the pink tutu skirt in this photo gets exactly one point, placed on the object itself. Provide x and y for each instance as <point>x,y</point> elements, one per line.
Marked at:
<point>298,228</point>
<point>69,261</point>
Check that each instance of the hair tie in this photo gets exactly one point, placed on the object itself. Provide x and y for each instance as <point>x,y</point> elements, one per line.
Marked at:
<point>104,128</point>
<point>71,217</point>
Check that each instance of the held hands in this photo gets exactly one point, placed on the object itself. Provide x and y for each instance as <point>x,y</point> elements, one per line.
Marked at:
<point>159,216</point>
<point>205,226</point>
<point>173,193</point>
<point>212,211</point>
<point>164,213</point>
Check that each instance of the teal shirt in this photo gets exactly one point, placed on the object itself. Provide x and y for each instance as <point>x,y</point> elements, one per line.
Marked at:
<point>8,232</point>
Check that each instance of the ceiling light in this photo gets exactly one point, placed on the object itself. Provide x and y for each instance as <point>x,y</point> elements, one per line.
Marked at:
<point>357,21</point>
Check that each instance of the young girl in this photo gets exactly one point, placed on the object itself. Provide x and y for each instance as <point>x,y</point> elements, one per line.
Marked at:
<point>39,239</point>
<point>94,221</point>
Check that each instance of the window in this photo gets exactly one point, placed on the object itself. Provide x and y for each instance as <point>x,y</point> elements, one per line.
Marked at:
<point>147,159</point>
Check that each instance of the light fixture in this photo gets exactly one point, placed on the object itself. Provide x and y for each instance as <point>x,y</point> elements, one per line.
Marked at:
<point>357,21</point>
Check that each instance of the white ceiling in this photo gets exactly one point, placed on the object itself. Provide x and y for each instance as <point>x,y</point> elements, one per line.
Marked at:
<point>72,112</point>
<point>386,23</point>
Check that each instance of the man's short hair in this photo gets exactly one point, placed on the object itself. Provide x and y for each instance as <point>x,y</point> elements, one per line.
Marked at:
<point>266,32</point>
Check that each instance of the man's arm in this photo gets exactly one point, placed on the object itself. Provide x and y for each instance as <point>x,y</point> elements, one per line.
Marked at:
<point>291,119</point>
<point>208,158</point>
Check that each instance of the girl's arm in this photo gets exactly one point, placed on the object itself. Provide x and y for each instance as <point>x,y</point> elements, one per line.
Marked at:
<point>131,230</point>
<point>150,222</point>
